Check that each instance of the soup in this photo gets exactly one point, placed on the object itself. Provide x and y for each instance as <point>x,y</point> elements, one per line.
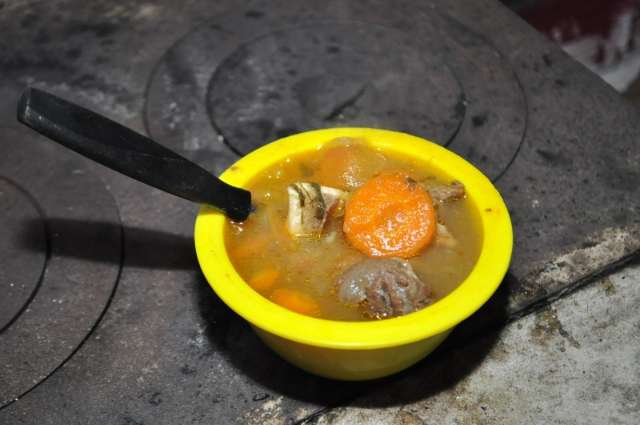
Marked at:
<point>310,244</point>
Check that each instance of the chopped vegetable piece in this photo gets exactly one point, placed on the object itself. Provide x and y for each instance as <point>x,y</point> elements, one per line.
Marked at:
<point>348,164</point>
<point>334,200</point>
<point>446,193</point>
<point>295,301</point>
<point>309,204</point>
<point>444,237</point>
<point>264,279</point>
<point>339,167</point>
<point>390,216</point>
<point>278,229</point>
<point>251,246</point>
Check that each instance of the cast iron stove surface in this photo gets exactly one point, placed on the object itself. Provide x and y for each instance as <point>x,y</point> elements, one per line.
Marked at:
<point>52,297</point>
<point>283,73</point>
<point>104,316</point>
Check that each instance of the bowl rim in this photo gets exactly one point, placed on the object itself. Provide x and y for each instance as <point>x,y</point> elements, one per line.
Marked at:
<point>468,297</point>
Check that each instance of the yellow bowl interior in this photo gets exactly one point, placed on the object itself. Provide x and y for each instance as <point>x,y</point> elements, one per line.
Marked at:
<point>443,315</point>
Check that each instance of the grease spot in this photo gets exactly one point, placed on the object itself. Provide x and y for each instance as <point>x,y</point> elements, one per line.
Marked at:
<point>73,53</point>
<point>608,286</point>
<point>100,29</point>
<point>547,325</point>
<point>560,83</point>
<point>42,37</point>
<point>406,418</point>
<point>260,397</point>
<point>155,399</point>
<point>479,120</point>
<point>28,20</point>
<point>187,370</point>
<point>254,14</point>
<point>552,158</point>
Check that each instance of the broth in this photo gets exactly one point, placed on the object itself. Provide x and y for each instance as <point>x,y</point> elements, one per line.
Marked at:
<point>278,265</point>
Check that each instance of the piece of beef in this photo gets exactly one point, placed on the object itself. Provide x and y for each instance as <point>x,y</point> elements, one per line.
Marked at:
<point>447,192</point>
<point>383,288</point>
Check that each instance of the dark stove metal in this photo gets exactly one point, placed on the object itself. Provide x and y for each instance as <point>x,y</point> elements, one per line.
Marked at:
<point>559,144</point>
<point>51,300</point>
<point>19,209</point>
<point>302,68</point>
<point>327,75</point>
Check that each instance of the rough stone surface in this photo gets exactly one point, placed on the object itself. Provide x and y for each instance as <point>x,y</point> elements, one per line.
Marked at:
<point>573,362</point>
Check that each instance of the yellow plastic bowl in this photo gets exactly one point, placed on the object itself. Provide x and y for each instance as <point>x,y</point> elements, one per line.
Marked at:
<point>368,349</point>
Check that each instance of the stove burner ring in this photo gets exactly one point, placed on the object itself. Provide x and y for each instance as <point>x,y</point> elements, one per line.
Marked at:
<point>21,214</point>
<point>60,258</point>
<point>236,83</point>
<point>332,74</point>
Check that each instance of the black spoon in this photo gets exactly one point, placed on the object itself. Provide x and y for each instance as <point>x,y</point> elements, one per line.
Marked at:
<point>128,152</point>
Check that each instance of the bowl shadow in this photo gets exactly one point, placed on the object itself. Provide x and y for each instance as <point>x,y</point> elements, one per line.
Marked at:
<point>236,341</point>
<point>146,248</point>
<point>470,343</point>
<point>230,335</point>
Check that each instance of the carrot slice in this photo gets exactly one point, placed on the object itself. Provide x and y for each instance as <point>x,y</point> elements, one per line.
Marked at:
<point>390,216</point>
<point>264,279</point>
<point>295,301</point>
<point>251,246</point>
<point>347,166</point>
<point>338,166</point>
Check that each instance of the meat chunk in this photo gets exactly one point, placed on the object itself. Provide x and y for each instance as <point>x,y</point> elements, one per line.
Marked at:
<point>447,192</point>
<point>383,288</point>
<point>309,205</point>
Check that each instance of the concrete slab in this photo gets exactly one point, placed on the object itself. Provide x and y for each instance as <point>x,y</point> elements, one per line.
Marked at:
<point>574,362</point>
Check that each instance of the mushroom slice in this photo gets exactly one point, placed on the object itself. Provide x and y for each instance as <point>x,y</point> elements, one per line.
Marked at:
<point>309,205</point>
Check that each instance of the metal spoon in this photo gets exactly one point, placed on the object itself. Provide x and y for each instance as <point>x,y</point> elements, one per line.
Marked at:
<point>128,152</point>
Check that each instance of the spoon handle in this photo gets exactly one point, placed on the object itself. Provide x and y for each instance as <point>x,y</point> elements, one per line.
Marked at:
<point>128,152</point>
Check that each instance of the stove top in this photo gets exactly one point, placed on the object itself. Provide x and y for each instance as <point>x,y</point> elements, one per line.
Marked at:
<point>105,317</point>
